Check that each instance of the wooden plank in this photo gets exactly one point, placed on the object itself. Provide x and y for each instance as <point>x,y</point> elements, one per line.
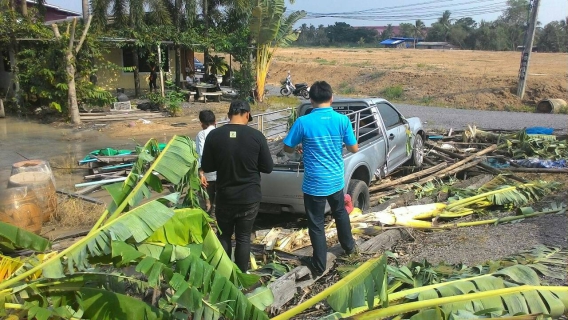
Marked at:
<point>384,241</point>
<point>286,287</point>
<point>117,159</point>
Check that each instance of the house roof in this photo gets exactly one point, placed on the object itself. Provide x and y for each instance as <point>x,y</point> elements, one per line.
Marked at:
<point>68,12</point>
<point>391,42</point>
<point>433,44</point>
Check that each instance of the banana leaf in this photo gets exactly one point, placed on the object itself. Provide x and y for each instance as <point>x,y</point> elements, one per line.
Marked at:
<point>139,223</point>
<point>354,290</point>
<point>12,237</point>
<point>550,301</point>
<point>200,289</point>
<point>177,163</point>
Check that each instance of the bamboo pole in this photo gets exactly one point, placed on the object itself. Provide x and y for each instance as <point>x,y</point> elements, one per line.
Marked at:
<point>482,165</point>
<point>410,177</point>
<point>161,71</point>
<point>2,113</point>
<point>439,175</point>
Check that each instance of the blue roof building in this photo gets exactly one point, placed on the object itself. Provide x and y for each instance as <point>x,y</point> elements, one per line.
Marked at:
<point>400,42</point>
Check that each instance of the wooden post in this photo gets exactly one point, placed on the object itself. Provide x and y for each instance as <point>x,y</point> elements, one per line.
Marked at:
<point>2,113</point>
<point>525,58</point>
<point>161,71</point>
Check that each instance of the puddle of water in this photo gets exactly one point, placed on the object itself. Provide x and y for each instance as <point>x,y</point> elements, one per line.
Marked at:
<point>19,139</point>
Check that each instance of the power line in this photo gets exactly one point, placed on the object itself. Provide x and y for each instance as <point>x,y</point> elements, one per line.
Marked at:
<point>473,10</point>
<point>430,16</point>
<point>396,7</point>
<point>414,7</point>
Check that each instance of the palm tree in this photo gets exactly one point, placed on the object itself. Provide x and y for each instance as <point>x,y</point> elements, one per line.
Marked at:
<point>418,30</point>
<point>270,29</point>
<point>446,23</point>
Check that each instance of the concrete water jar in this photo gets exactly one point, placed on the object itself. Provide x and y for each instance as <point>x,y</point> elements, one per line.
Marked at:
<point>41,184</point>
<point>19,207</point>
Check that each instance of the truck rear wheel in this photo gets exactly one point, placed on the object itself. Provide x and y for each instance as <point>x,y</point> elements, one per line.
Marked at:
<point>359,192</point>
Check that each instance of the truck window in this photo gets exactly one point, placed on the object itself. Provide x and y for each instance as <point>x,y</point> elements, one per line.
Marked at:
<point>390,116</point>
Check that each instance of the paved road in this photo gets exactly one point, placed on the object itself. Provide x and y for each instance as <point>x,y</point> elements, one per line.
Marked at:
<point>446,118</point>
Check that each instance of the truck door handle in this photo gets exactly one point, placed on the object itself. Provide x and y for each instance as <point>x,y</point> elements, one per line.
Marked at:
<point>391,136</point>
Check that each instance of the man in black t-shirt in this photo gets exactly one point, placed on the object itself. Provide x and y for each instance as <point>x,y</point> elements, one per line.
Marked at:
<point>239,154</point>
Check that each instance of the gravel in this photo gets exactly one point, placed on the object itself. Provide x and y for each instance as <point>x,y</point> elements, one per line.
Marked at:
<point>475,245</point>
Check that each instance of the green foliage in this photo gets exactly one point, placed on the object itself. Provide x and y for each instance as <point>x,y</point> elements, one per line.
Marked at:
<point>393,92</point>
<point>156,99</point>
<point>217,65</point>
<point>12,237</point>
<point>325,62</point>
<point>346,88</point>
<point>175,254</point>
<point>244,81</point>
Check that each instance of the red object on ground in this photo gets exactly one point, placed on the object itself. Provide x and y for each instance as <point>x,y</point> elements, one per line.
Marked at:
<point>348,203</point>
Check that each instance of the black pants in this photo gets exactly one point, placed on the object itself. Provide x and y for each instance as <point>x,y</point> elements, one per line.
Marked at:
<point>315,209</point>
<point>238,219</point>
<point>211,193</point>
<point>153,84</point>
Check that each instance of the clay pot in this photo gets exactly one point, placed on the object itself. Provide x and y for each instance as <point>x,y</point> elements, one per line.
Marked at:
<point>19,207</point>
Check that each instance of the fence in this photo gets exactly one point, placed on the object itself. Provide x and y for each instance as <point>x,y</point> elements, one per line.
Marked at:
<point>271,124</point>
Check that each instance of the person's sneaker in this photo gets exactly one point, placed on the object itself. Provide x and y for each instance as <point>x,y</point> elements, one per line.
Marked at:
<point>307,261</point>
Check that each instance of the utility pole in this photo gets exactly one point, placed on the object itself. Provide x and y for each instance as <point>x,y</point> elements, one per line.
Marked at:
<point>525,58</point>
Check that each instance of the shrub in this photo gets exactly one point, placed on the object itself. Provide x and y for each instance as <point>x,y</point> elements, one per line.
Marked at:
<point>346,88</point>
<point>393,93</point>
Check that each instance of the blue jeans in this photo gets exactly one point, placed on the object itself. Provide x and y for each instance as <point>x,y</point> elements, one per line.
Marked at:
<point>315,209</point>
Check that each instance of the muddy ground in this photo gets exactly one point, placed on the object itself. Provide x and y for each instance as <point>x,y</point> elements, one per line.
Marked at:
<point>481,80</point>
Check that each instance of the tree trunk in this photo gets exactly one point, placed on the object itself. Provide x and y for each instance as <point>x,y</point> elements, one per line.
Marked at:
<point>178,65</point>
<point>24,8</point>
<point>13,54</point>
<point>71,91</point>
<point>206,34</point>
<point>85,4</point>
<point>136,72</point>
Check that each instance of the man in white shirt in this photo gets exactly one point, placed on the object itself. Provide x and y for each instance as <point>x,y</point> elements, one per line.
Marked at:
<point>207,119</point>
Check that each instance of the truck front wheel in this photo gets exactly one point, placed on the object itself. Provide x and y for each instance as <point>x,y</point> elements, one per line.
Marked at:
<point>359,193</point>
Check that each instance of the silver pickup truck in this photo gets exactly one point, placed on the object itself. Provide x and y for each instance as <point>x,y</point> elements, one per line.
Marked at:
<point>386,140</point>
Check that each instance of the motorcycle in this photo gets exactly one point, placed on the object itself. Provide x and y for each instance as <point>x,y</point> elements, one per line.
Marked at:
<point>300,89</point>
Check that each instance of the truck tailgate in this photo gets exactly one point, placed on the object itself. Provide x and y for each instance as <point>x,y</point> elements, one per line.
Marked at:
<point>282,191</point>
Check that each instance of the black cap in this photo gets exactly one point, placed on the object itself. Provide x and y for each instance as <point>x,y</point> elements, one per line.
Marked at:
<point>239,105</point>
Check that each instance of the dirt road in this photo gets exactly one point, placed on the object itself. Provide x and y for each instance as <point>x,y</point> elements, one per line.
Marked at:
<point>480,80</point>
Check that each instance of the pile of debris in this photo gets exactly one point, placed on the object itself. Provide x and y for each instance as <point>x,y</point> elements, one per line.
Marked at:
<point>491,167</point>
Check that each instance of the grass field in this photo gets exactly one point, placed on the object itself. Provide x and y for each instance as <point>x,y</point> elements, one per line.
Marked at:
<point>453,78</point>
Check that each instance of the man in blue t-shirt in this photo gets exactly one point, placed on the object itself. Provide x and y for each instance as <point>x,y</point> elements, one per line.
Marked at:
<point>322,134</point>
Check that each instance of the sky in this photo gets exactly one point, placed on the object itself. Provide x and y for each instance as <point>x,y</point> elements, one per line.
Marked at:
<point>395,12</point>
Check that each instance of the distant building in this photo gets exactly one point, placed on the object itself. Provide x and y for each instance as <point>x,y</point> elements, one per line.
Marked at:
<point>391,43</point>
<point>54,13</point>
<point>400,42</point>
<point>435,45</point>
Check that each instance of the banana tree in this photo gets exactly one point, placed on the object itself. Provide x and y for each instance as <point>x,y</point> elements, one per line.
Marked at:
<point>270,29</point>
<point>497,192</point>
<point>500,289</point>
<point>178,260</point>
